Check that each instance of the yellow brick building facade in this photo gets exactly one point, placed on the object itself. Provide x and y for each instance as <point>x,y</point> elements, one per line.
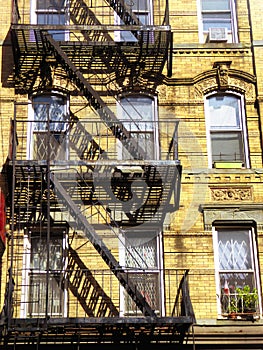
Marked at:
<point>142,88</point>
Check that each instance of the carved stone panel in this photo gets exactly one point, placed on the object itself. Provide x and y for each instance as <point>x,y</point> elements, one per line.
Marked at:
<point>231,193</point>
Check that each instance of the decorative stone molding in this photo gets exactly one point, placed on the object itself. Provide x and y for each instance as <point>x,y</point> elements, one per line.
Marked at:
<point>222,74</point>
<point>222,78</point>
<point>242,213</point>
<point>205,86</point>
<point>232,193</point>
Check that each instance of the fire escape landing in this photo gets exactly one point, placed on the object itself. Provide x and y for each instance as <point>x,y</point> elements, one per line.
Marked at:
<point>87,58</point>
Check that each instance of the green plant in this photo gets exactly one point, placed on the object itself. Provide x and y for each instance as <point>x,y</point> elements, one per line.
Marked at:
<point>247,299</point>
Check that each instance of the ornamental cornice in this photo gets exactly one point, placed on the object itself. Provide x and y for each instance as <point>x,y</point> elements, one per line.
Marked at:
<point>231,193</point>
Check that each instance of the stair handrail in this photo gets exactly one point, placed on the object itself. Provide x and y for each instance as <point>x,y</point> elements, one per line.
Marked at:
<point>102,249</point>
<point>113,225</point>
<point>186,307</point>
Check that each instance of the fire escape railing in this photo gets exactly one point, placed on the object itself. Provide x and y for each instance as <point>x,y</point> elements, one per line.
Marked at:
<point>182,304</point>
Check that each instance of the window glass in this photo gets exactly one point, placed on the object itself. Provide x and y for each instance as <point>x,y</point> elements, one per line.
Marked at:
<point>50,4</point>
<point>49,113</point>
<point>227,146</point>
<point>51,12</point>
<point>39,253</point>
<point>138,5</point>
<point>137,114</point>
<point>37,276</point>
<point>225,124</point>
<point>142,266</point>
<point>215,5</point>
<point>236,268</point>
<point>218,14</point>
<point>234,250</point>
<point>141,251</point>
<point>224,112</point>
<point>46,135</point>
<point>216,20</point>
<point>142,9</point>
<point>54,19</point>
<point>138,111</point>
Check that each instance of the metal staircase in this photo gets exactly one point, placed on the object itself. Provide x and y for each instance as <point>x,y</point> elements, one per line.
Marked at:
<point>124,12</point>
<point>89,232</point>
<point>84,286</point>
<point>94,98</point>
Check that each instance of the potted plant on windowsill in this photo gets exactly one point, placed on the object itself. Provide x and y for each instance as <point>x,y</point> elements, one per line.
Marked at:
<point>243,304</point>
<point>248,299</point>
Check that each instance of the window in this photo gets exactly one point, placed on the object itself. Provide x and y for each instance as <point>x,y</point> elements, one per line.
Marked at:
<point>226,132</point>
<point>47,128</point>
<point>143,11</point>
<point>140,255</point>
<point>35,282</point>
<point>50,12</point>
<point>236,267</point>
<point>139,116</point>
<point>218,21</point>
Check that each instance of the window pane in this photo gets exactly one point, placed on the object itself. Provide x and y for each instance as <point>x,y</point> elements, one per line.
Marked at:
<point>216,24</point>
<point>50,4</point>
<point>224,112</point>
<point>234,250</point>
<point>215,5</point>
<point>217,20</point>
<point>138,109</point>
<point>227,146</point>
<point>50,108</point>
<point>37,295</point>
<point>148,285</point>
<point>39,253</point>
<point>237,280</point>
<point>138,5</point>
<point>51,19</point>
<point>229,298</point>
<point>142,251</point>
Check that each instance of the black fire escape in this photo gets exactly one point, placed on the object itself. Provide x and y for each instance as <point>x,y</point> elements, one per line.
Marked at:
<point>37,191</point>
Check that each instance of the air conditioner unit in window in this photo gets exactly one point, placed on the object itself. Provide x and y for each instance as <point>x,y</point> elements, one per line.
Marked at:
<point>217,34</point>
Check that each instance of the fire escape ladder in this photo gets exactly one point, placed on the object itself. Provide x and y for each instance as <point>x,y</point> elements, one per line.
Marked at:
<point>90,233</point>
<point>124,12</point>
<point>82,141</point>
<point>81,14</point>
<point>95,100</point>
<point>83,285</point>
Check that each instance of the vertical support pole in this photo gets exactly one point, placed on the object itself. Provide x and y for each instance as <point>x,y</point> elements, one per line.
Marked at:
<point>170,56</point>
<point>48,214</point>
<point>10,271</point>
<point>167,13</point>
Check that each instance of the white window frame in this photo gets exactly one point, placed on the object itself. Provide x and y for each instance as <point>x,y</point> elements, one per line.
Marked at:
<point>232,36</point>
<point>254,257</point>
<point>243,127</point>
<point>155,153</point>
<point>158,270</point>
<point>34,13</point>
<point>31,125</point>
<point>26,270</point>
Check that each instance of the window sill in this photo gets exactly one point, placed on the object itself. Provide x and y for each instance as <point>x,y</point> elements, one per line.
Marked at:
<point>228,165</point>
